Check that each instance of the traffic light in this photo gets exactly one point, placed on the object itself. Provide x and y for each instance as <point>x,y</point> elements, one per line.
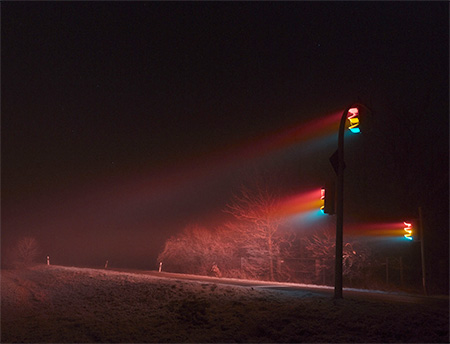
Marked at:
<point>353,117</point>
<point>408,229</point>
<point>322,199</point>
<point>327,198</point>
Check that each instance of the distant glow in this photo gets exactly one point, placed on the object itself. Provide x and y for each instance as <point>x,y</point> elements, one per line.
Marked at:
<point>302,134</point>
<point>408,230</point>
<point>136,199</point>
<point>354,120</point>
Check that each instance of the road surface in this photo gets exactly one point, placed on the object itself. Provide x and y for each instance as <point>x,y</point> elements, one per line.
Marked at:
<point>303,290</point>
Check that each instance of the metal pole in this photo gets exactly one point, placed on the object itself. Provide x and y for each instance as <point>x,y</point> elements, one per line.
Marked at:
<point>340,209</point>
<point>340,203</point>
<point>422,251</point>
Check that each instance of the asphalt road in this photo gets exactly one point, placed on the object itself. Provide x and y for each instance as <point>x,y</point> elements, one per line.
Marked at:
<point>304,290</point>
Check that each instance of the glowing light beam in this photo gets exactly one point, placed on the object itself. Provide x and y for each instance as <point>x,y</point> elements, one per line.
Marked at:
<point>372,230</point>
<point>300,203</point>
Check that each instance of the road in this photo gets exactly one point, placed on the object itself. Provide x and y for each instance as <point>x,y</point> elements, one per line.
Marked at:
<point>303,290</point>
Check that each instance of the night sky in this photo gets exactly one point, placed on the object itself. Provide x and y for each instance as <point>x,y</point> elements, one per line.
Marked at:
<point>123,122</point>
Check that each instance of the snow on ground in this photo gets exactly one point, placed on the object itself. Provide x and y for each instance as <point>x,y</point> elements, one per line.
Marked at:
<point>65,304</point>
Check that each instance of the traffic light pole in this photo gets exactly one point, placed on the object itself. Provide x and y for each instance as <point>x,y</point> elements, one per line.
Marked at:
<point>340,201</point>
<point>340,209</point>
<point>422,254</point>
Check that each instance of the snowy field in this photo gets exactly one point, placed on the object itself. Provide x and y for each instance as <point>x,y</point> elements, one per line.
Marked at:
<point>51,304</point>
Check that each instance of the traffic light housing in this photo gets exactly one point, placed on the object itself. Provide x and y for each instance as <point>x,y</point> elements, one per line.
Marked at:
<point>353,118</point>
<point>327,198</point>
<point>408,229</point>
<point>322,199</point>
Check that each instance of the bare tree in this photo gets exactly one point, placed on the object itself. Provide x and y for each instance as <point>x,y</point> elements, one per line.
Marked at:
<point>322,246</point>
<point>258,212</point>
<point>247,247</point>
<point>196,249</point>
<point>26,251</point>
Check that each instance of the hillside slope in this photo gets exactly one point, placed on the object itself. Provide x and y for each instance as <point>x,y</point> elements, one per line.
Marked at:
<point>66,304</point>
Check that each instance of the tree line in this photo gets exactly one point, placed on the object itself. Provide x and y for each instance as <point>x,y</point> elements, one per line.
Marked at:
<point>257,244</point>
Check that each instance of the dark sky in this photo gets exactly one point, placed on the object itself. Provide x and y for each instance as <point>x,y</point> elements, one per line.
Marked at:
<point>123,122</point>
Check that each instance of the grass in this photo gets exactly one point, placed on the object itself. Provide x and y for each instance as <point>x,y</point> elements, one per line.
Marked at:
<point>64,304</point>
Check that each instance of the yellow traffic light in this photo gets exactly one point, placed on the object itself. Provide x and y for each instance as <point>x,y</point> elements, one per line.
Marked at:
<point>327,199</point>
<point>408,229</point>
<point>322,198</point>
<point>353,114</point>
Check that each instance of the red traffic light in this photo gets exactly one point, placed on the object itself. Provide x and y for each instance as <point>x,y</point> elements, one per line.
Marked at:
<point>353,118</point>
<point>408,229</point>
<point>322,198</point>
<point>327,197</point>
